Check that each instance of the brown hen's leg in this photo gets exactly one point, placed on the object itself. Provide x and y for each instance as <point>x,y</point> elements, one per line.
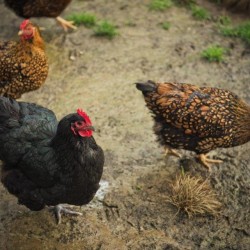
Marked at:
<point>205,161</point>
<point>171,151</point>
<point>58,209</point>
<point>66,24</point>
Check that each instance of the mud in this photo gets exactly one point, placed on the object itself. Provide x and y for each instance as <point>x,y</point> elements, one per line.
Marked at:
<point>97,74</point>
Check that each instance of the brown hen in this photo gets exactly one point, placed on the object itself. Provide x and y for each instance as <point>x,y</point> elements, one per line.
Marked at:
<point>198,119</point>
<point>41,8</point>
<point>23,64</point>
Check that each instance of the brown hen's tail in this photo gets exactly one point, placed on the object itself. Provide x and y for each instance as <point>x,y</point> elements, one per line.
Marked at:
<point>146,87</point>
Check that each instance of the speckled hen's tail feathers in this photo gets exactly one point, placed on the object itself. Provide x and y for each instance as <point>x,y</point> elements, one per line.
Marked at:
<point>146,87</point>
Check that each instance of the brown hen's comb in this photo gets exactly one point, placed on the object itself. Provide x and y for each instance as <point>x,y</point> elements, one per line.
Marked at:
<point>84,116</point>
<point>24,24</point>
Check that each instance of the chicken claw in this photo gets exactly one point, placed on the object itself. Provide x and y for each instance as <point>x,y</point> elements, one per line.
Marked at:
<point>58,209</point>
<point>205,161</point>
<point>66,24</point>
<point>171,152</point>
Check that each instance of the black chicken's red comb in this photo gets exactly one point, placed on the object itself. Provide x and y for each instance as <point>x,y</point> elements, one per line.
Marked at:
<point>84,116</point>
<point>24,24</point>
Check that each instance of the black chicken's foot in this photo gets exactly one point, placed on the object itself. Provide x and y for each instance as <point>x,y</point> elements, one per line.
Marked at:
<point>59,209</point>
<point>205,161</point>
<point>170,151</point>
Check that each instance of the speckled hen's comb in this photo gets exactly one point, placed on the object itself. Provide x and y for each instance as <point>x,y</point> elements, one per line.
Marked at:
<point>24,24</point>
<point>84,116</point>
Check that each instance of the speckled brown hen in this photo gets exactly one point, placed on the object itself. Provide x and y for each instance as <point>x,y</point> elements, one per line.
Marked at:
<point>23,64</point>
<point>41,8</point>
<point>198,119</point>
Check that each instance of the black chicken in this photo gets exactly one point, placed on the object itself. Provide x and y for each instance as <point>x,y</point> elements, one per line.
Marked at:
<point>46,162</point>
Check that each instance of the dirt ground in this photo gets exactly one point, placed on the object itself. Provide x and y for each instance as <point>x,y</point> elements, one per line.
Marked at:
<point>97,74</point>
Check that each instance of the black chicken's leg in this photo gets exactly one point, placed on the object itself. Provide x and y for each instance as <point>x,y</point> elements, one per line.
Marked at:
<point>59,209</point>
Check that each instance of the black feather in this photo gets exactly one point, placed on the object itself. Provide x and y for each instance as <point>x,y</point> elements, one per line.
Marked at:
<point>45,163</point>
<point>17,6</point>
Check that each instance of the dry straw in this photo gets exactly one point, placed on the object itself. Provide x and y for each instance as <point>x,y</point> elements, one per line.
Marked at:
<point>193,195</point>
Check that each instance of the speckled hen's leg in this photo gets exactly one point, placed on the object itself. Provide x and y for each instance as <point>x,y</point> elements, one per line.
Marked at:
<point>66,24</point>
<point>171,152</point>
<point>205,161</point>
<point>58,209</point>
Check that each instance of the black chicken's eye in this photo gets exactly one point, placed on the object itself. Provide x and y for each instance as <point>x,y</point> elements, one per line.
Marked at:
<point>79,123</point>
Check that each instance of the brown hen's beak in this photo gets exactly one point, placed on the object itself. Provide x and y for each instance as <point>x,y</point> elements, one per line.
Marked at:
<point>20,32</point>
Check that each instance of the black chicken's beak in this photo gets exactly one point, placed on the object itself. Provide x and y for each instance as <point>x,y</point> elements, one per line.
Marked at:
<point>90,128</point>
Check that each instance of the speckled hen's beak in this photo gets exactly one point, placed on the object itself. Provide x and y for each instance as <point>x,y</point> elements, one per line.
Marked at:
<point>20,32</point>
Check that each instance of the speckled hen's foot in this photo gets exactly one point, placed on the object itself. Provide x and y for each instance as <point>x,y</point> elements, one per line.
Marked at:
<point>205,161</point>
<point>66,24</point>
<point>58,209</point>
<point>170,151</point>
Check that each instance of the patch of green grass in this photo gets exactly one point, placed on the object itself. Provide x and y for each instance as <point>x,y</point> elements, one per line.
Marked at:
<point>106,29</point>
<point>217,1</point>
<point>185,2</point>
<point>224,20</point>
<point>166,25</point>
<point>214,53</point>
<point>199,13</point>
<point>242,31</point>
<point>86,19</point>
<point>229,31</point>
<point>160,5</point>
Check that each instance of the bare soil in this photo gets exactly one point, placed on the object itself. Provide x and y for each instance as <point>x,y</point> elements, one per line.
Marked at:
<point>97,74</point>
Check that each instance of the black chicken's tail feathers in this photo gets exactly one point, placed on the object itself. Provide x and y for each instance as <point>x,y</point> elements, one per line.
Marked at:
<point>9,109</point>
<point>148,86</point>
